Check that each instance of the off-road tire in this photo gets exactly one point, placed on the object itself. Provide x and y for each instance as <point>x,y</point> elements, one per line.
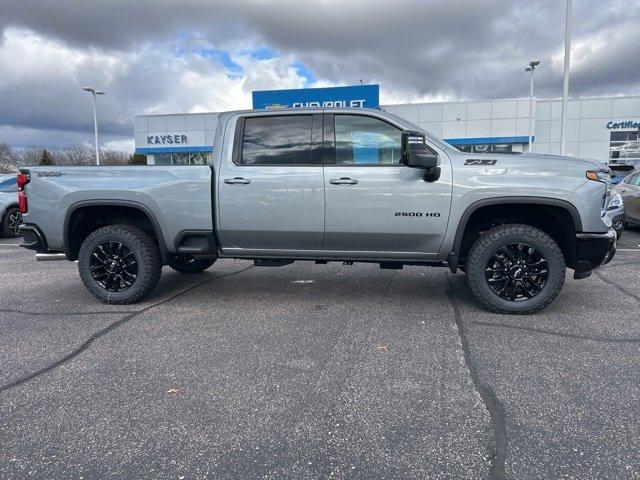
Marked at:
<point>186,264</point>
<point>489,243</point>
<point>5,227</point>
<point>147,255</point>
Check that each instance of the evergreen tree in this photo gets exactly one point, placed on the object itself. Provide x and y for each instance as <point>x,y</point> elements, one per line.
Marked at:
<point>46,158</point>
<point>137,159</point>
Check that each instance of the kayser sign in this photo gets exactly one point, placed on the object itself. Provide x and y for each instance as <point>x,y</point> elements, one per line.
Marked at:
<point>357,96</point>
<point>167,139</point>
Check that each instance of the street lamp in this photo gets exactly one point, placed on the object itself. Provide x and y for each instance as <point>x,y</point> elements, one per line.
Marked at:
<point>531,68</point>
<point>565,81</point>
<point>95,92</point>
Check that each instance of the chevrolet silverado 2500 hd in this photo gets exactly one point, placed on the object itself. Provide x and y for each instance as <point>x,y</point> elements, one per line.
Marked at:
<point>349,185</point>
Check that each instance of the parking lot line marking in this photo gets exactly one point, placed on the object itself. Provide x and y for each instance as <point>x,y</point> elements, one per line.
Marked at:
<point>628,249</point>
<point>10,245</point>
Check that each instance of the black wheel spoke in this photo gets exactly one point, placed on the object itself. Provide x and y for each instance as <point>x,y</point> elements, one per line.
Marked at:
<point>516,272</point>
<point>114,266</point>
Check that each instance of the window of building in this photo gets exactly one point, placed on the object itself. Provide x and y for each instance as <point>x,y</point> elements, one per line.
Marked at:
<point>198,158</point>
<point>9,185</point>
<point>624,146</point>
<point>487,148</point>
<point>277,140</point>
<point>364,140</point>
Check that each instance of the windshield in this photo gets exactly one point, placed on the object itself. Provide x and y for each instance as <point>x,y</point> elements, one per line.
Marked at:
<point>430,136</point>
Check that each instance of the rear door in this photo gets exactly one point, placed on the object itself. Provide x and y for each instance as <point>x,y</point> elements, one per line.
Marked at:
<point>271,194</point>
<point>373,202</point>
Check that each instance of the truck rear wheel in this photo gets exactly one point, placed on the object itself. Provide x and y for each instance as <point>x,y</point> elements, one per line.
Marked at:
<point>515,269</point>
<point>188,264</point>
<point>119,264</point>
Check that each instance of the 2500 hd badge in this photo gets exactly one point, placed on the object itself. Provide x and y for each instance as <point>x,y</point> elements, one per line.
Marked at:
<point>417,214</point>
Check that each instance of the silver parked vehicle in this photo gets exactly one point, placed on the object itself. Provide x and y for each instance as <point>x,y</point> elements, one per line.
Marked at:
<point>10,218</point>
<point>348,185</point>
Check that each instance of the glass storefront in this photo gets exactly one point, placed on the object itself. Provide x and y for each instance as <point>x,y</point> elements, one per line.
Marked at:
<point>197,158</point>
<point>624,146</point>
<point>489,148</point>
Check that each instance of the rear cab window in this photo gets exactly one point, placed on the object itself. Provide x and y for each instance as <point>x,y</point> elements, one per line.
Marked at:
<point>280,140</point>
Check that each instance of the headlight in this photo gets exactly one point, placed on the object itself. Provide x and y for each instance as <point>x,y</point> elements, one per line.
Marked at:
<point>601,175</point>
<point>615,201</point>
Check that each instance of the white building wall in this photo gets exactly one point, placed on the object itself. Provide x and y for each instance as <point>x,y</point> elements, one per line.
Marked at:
<point>587,132</point>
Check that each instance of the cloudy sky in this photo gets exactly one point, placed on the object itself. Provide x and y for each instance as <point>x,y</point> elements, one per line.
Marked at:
<point>195,55</point>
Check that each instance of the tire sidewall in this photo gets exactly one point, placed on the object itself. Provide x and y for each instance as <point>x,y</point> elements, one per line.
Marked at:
<point>135,291</point>
<point>556,269</point>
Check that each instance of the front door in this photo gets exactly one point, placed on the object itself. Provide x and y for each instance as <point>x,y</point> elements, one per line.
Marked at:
<point>271,195</point>
<point>373,202</point>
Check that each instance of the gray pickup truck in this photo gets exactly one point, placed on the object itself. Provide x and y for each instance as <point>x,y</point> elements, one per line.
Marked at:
<point>347,185</point>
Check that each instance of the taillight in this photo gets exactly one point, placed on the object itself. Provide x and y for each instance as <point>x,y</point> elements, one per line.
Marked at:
<point>23,179</point>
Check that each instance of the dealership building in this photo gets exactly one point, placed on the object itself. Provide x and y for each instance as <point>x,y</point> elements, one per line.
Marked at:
<point>604,128</point>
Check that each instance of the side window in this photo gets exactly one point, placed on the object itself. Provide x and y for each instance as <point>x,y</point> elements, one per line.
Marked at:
<point>632,179</point>
<point>277,140</point>
<point>9,186</point>
<point>362,140</point>
<point>635,180</point>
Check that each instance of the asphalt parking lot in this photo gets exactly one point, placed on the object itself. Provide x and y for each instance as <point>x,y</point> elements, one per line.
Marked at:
<point>312,371</point>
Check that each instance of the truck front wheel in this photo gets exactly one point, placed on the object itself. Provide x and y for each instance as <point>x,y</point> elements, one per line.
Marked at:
<point>119,264</point>
<point>515,269</point>
<point>188,264</point>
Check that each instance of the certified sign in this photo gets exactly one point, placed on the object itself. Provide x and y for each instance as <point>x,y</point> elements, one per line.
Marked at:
<point>628,124</point>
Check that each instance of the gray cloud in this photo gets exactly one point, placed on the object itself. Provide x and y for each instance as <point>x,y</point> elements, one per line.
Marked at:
<point>453,49</point>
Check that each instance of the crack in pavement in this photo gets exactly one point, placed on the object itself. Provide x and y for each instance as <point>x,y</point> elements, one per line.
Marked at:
<point>487,394</point>
<point>105,312</point>
<point>616,286</point>
<point>560,334</point>
<point>108,329</point>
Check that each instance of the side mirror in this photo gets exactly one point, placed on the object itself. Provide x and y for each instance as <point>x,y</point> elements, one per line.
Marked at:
<point>417,154</point>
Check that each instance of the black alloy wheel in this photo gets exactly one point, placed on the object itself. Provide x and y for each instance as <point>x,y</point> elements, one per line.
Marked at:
<point>15,219</point>
<point>114,266</point>
<point>517,272</point>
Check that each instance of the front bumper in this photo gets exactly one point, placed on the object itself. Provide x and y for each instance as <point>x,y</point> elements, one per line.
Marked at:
<point>593,250</point>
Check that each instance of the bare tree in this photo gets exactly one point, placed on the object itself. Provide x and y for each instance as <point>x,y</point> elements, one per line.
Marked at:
<point>29,156</point>
<point>80,154</point>
<point>113,157</point>
<point>8,161</point>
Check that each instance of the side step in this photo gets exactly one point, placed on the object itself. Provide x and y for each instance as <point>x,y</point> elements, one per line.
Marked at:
<point>272,262</point>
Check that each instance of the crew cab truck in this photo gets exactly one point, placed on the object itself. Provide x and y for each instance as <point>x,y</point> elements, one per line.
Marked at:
<point>348,185</point>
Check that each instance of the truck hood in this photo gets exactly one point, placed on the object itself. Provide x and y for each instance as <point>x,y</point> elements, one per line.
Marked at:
<point>539,161</point>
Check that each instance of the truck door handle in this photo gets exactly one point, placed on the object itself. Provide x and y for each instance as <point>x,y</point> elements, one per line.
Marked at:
<point>237,181</point>
<point>343,181</point>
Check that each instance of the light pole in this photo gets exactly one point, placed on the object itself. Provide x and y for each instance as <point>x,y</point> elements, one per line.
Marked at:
<point>95,92</point>
<point>531,68</point>
<point>565,82</point>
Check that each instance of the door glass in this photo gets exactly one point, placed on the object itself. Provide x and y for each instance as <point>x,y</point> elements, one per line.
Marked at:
<point>277,140</point>
<point>364,140</point>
